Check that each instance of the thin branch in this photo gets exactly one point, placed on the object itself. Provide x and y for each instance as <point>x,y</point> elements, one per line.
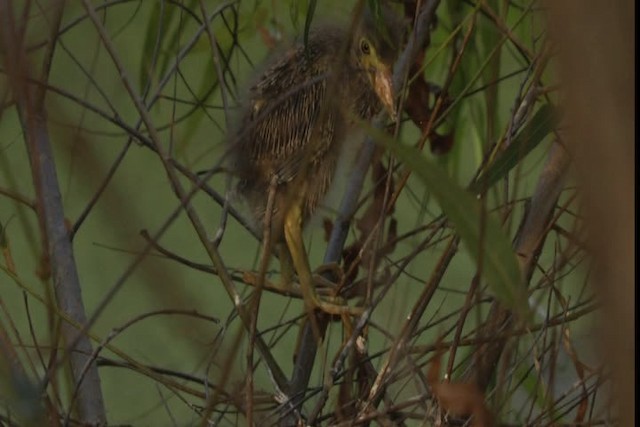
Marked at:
<point>184,198</point>
<point>308,345</point>
<point>51,212</point>
<point>528,244</point>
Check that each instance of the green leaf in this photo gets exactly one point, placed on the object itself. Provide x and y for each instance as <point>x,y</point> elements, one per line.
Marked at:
<point>203,94</point>
<point>307,23</point>
<point>541,124</point>
<point>489,50</point>
<point>3,238</point>
<point>155,33</point>
<point>170,42</point>
<point>480,231</point>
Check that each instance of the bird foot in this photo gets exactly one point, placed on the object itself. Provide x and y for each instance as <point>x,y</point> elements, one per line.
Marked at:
<point>327,276</point>
<point>326,279</point>
<point>322,300</point>
<point>252,279</point>
<point>334,306</point>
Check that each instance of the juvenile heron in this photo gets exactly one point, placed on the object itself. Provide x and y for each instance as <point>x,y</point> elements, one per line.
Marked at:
<point>294,124</point>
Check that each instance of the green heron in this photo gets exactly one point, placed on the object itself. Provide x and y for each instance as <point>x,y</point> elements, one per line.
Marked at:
<point>293,126</point>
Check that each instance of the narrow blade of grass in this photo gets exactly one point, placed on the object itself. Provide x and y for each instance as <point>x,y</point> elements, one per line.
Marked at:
<point>480,231</point>
<point>541,124</point>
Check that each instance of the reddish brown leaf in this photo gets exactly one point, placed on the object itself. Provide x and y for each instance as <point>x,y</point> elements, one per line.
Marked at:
<point>327,226</point>
<point>441,144</point>
<point>267,37</point>
<point>351,262</point>
<point>417,103</point>
<point>458,399</point>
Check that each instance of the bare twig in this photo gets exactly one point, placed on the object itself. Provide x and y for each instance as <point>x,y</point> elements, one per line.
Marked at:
<point>528,244</point>
<point>308,344</point>
<point>66,283</point>
<point>184,198</point>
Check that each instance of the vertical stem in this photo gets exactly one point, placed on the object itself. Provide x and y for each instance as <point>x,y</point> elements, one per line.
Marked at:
<point>31,110</point>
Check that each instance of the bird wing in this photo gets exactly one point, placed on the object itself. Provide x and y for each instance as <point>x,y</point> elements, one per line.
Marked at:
<point>282,126</point>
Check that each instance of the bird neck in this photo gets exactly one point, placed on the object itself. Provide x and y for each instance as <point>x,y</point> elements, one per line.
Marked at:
<point>364,102</point>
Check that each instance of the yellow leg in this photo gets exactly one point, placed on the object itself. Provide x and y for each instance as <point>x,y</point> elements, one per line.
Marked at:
<point>293,237</point>
<point>286,268</point>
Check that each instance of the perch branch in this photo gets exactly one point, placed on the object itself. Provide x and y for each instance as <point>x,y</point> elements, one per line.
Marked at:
<point>308,346</point>
<point>32,113</point>
<point>528,244</point>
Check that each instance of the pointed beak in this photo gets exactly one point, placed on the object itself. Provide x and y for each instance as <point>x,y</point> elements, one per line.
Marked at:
<point>383,85</point>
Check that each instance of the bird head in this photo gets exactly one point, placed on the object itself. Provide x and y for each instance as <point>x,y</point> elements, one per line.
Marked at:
<point>376,45</point>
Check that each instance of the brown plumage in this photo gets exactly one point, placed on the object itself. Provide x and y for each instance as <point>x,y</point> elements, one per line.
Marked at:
<point>296,118</point>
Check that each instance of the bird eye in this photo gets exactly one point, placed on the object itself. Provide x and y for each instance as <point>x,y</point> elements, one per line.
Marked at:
<point>364,47</point>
